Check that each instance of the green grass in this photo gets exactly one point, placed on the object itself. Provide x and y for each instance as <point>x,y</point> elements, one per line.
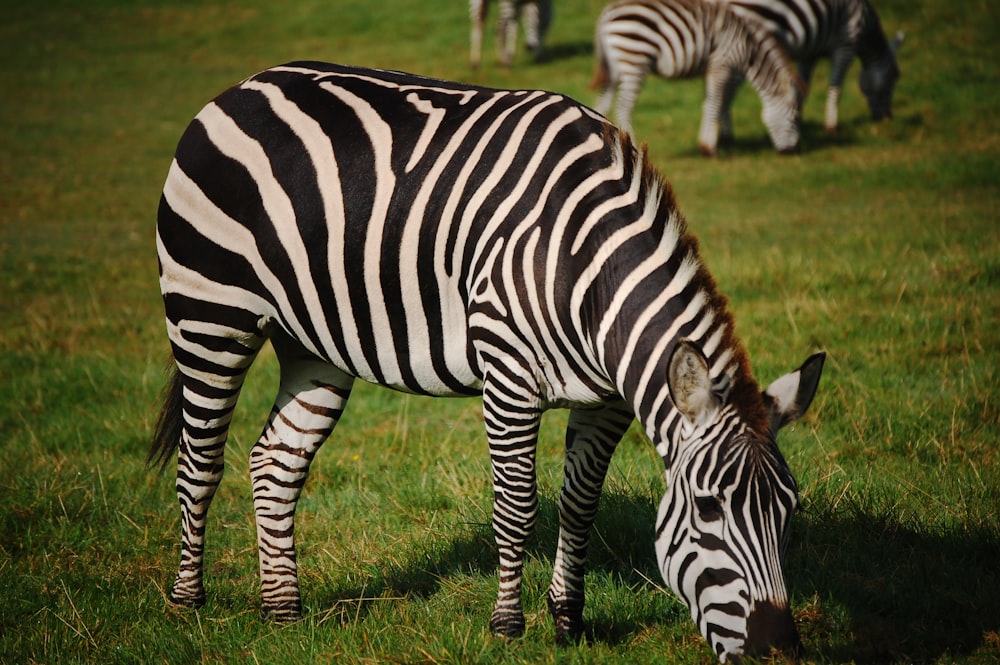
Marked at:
<point>880,245</point>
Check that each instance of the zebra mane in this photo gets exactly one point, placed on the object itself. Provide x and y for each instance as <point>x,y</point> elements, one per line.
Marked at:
<point>744,395</point>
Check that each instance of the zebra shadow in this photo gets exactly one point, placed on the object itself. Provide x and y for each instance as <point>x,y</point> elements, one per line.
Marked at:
<point>866,588</point>
<point>621,552</point>
<point>883,592</point>
<point>566,51</point>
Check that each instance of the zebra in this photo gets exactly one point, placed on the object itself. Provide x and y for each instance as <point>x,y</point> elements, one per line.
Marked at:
<point>450,240</point>
<point>537,18</point>
<point>685,38</point>
<point>839,30</point>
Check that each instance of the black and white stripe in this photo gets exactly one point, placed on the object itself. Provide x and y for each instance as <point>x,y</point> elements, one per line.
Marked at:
<point>537,16</point>
<point>451,240</point>
<point>687,38</point>
<point>835,29</point>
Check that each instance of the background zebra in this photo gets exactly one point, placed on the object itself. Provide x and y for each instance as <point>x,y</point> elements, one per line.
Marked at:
<point>835,29</point>
<point>451,240</point>
<point>537,17</point>
<point>685,38</point>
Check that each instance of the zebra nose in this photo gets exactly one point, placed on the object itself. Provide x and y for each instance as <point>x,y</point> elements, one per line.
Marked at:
<point>771,627</point>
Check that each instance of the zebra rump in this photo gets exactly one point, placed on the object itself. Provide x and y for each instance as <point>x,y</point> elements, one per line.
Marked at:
<point>451,240</point>
<point>686,38</point>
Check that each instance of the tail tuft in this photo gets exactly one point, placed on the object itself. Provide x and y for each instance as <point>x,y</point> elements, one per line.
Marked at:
<point>601,74</point>
<point>169,425</point>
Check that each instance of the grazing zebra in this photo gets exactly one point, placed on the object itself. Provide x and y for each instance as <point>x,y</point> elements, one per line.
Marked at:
<point>450,240</point>
<point>835,29</point>
<point>537,17</point>
<point>685,38</point>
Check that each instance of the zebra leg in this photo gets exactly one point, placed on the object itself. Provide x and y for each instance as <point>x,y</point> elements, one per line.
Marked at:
<point>628,91</point>
<point>536,17</point>
<point>477,16</point>
<point>591,438</point>
<point>806,71</point>
<point>840,60</point>
<point>512,423</point>
<point>726,134</point>
<point>507,32</point>
<point>209,393</point>
<point>718,78</point>
<point>310,401</point>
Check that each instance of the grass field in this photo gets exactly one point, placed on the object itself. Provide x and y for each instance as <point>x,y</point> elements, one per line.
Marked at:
<point>880,245</point>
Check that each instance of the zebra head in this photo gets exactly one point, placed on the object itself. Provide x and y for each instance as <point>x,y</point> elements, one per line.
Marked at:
<point>724,521</point>
<point>878,80</point>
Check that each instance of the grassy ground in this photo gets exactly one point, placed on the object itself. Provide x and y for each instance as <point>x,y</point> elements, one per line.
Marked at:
<point>880,245</point>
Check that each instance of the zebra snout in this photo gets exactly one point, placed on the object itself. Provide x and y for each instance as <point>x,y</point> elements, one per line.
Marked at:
<point>771,627</point>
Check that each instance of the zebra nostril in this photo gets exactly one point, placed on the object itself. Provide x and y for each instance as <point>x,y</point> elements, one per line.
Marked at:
<point>771,627</point>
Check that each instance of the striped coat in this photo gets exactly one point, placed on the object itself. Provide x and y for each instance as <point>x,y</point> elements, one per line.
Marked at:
<point>836,29</point>
<point>452,240</point>
<point>688,38</point>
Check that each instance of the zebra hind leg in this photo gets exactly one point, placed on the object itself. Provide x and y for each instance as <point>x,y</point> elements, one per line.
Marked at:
<point>591,438</point>
<point>310,401</point>
<point>206,387</point>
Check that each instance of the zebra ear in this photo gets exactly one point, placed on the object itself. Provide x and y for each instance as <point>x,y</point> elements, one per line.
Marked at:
<point>690,384</point>
<point>792,394</point>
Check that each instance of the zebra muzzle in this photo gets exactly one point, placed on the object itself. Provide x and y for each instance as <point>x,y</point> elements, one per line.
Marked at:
<point>770,628</point>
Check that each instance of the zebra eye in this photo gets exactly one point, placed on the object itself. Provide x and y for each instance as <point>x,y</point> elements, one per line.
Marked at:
<point>709,507</point>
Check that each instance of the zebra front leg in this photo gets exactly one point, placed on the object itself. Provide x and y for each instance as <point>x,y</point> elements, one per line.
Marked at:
<point>840,60</point>
<point>310,401</point>
<point>512,430</point>
<point>591,439</point>
<point>718,79</point>
<point>726,134</point>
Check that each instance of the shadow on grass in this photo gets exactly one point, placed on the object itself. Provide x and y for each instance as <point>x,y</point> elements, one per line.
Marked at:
<point>905,595</point>
<point>885,592</point>
<point>621,554</point>
<point>566,50</point>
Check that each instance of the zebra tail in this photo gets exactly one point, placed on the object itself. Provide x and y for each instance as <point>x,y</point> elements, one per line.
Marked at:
<point>601,73</point>
<point>169,424</point>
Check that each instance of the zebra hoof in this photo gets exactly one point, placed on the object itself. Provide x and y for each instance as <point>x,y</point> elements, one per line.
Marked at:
<point>568,619</point>
<point>507,623</point>
<point>286,612</point>
<point>191,596</point>
<point>190,603</point>
<point>707,151</point>
<point>569,632</point>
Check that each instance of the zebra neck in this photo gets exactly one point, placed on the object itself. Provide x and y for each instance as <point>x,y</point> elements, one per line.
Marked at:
<point>872,44</point>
